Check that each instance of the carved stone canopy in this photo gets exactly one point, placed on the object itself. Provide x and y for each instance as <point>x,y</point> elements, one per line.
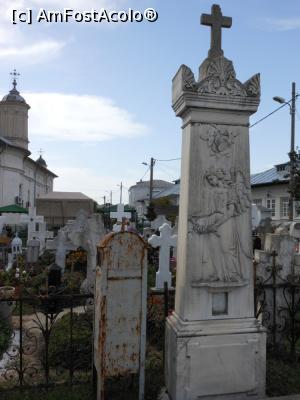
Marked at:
<point>217,77</point>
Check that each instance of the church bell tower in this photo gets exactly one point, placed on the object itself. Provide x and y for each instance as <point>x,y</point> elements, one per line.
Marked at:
<point>14,116</point>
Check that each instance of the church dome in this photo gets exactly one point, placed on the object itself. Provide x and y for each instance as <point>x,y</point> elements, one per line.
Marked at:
<point>41,161</point>
<point>13,96</point>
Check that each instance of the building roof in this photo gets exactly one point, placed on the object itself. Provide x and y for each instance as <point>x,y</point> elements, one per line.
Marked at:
<point>13,208</point>
<point>41,166</point>
<point>157,183</point>
<point>269,176</point>
<point>64,196</point>
<point>6,142</point>
<point>13,96</point>
<point>41,161</point>
<point>174,190</point>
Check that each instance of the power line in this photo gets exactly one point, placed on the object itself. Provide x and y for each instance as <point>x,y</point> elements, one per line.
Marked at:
<point>266,116</point>
<point>287,103</point>
<point>170,159</point>
<point>145,173</point>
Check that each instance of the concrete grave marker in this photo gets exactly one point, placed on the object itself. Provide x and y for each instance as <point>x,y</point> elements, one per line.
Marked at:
<point>120,308</point>
<point>164,241</point>
<point>158,222</point>
<point>33,250</point>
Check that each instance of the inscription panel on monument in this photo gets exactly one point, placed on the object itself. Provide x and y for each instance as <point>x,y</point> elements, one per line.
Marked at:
<point>233,365</point>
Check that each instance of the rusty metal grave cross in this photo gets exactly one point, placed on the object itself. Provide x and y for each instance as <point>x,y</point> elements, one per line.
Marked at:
<point>164,241</point>
<point>217,22</point>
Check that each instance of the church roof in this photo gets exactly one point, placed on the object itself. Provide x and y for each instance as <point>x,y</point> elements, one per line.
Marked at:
<point>40,165</point>
<point>41,161</point>
<point>6,142</point>
<point>13,96</point>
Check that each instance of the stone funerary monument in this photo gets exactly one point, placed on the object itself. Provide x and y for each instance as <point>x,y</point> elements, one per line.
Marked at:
<point>215,346</point>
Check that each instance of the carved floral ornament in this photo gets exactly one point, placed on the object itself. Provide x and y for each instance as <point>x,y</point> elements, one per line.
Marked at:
<point>218,78</point>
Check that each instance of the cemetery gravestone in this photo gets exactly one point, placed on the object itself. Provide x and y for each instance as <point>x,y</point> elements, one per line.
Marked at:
<point>120,308</point>
<point>164,241</point>
<point>33,251</point>
<point>215,346</point>
<point>158,222</point>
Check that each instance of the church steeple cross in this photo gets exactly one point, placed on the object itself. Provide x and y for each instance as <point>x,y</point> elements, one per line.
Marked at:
<point>15,76</point>
<point>217,22</point>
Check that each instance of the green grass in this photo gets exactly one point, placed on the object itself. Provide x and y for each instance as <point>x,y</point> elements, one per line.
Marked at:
<point>282,377</point>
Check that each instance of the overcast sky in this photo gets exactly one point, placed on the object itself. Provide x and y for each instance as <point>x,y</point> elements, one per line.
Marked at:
<point>100,94</point>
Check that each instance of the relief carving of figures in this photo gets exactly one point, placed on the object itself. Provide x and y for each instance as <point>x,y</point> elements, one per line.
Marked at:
<point>219,140</point>
<point>226,198</point>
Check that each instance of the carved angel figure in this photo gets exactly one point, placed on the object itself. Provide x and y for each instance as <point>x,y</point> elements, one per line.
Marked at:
<point>220,226</point>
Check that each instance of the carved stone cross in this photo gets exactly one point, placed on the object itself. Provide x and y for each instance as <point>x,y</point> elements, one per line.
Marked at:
<point>217,22</point>
<point>164,241</point>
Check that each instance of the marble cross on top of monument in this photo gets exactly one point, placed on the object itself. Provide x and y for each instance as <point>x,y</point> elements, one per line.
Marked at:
<point>217,22</point>
<point>120,214</point>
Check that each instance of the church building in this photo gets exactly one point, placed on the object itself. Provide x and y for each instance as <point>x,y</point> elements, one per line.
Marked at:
<point>22,179</point>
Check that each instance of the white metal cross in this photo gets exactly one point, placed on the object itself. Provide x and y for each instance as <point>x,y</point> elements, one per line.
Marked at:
<point>164,241</point>
<point>120,213</point>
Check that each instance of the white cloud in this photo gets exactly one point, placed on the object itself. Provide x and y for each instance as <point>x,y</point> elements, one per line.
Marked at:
<point>33,53</point>
<point>25,48</point>
<point>58,116</point>
<point>283,24</point>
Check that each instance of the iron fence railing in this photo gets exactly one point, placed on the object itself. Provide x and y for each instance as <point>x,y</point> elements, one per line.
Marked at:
<point>277,305</point>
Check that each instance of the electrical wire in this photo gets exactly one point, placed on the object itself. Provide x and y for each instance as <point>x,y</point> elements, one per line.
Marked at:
<point>170,159</point>
<point>287,103</point>
<point>145,173</point>
<point>266,116</point>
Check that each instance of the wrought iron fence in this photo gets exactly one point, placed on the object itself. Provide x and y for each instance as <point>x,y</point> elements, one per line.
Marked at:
<point>51,338</point>
<point>277,305</point>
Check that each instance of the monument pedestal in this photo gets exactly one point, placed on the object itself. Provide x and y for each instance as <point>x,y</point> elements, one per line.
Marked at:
<point>215,359</point>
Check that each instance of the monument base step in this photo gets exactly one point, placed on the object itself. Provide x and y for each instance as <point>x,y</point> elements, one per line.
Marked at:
<point>164,396</point>
<point>215,360</point>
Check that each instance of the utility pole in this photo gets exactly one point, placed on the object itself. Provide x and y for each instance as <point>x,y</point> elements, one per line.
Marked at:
<point>152,162</point>
<point>104,200</point>
<point>292,153</point>
<point>294,157</point>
